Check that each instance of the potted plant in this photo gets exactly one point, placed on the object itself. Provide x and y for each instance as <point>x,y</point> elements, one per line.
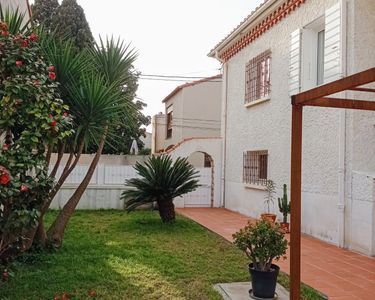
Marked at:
<point>269,198</point>
<point>263,242</point>
<point>284,207</point>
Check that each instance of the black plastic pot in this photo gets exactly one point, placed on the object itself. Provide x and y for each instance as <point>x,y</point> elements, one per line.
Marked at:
<point>264,283</point>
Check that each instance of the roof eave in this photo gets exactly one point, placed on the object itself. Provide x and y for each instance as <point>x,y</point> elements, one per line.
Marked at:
<point>214,53</point>
<point>185,85</point>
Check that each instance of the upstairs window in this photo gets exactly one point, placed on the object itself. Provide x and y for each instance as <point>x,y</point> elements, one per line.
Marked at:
<point>258,77</point>
<point>313,36</point>
<point>169,121</point>
<point>255,167</point>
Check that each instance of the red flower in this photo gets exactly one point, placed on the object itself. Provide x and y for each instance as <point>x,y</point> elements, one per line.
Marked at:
<point>53,123</point>
<point>57,297</point>
<point>52,76</point>
<point>4,179</point>
<point>24,188</point>
<point>51,69</point>
<point>5,33</point>
<point>65,115</point>
<point>65,296</point>
<point>3,26</point>
<point>19,63</point>
<point>5,276</point>
<point>34,37</point>
<point>6,147</point>
<point>24,43</point>
<point>92,293</point>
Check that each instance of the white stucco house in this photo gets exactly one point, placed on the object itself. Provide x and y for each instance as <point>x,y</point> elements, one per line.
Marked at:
<point>280,49</point>
<point>191,127</point>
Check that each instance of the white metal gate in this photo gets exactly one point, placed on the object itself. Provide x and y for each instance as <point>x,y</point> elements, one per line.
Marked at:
<point>202,196</point>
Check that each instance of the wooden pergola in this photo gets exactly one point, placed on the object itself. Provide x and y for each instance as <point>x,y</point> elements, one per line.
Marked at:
<point>320,96</point>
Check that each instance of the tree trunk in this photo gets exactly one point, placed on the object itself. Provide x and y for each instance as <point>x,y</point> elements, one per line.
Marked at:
<point>57,229</point>
<point>38,235</point>
<point>166,210</point>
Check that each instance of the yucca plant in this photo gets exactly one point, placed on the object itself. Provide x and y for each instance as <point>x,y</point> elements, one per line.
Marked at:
<point>161,180</point>
<point>16,20</point>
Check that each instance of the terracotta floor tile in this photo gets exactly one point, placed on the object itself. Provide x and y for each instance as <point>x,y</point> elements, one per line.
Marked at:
<point>344,298</point>
<point>338,273</point>
<point>364,294</point>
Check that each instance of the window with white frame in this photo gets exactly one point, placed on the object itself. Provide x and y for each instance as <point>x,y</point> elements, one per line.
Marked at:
<point>317,51</point>
<point>257,85</point>
<point>255,167</point>
<point>312,64</point>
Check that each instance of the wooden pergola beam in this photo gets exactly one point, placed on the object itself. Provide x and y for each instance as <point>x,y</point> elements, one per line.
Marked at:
<point>341,103</point>
<point>360,89</point>
<point>340,85</point>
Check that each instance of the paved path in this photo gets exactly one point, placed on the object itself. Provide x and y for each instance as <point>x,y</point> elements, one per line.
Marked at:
<point>336,272</point>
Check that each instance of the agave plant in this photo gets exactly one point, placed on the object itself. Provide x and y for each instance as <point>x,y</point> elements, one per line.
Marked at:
<point>161,180</point>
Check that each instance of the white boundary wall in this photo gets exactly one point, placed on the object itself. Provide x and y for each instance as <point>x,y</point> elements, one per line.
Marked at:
<point>108,182</point>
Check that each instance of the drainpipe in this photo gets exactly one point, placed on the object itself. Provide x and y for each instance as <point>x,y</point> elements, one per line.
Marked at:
<point>224,135</point>
<point>341,185</point>
<point>342,141</point>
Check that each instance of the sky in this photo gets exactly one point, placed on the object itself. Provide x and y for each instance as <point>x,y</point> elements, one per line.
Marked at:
<point>172,37</point>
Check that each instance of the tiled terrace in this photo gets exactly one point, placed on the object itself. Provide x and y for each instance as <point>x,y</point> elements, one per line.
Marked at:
<point>338,273</point>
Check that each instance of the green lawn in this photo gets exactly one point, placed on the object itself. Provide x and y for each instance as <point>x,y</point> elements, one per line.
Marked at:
<point>131,256</point>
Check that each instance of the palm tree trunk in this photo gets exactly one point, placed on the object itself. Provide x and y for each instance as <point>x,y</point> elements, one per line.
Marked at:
<point>166,210</point>
<point>57,229</point>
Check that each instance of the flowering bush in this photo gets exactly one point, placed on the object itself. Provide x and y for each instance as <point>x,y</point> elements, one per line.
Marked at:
<point>31,119</point>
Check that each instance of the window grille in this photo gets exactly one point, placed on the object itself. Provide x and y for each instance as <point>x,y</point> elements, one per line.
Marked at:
<point>258,77</point>
<point>255,165</point>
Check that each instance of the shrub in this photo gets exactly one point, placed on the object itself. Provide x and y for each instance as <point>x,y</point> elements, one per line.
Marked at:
<point>262,242</point>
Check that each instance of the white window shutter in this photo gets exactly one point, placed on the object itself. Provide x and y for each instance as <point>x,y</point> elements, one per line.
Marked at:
<point>295,62</point>
<point>334,42</point>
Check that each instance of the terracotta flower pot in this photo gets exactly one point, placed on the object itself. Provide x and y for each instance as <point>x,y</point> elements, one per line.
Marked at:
<point>268,217</point>
<point>284,227</point>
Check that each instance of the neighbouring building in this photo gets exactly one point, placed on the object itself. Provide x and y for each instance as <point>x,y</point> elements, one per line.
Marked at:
<point>191,127</point>
<point>159,132</point>
<point>280,49</point>
<point>192,110</point>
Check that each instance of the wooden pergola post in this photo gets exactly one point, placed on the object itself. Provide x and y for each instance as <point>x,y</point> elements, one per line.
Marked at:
<point>295,202</point>
<point>316,97</point>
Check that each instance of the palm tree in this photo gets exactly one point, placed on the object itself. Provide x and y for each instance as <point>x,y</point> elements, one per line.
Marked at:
<point>160,180</point>
<point>99,101</point>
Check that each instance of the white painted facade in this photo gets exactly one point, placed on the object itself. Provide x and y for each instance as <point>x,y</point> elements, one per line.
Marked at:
<point>338,201</point>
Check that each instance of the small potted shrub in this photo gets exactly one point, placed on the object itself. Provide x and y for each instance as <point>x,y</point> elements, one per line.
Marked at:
<point>284,207</point>
<point>269,198</point>
<point>263,243</point>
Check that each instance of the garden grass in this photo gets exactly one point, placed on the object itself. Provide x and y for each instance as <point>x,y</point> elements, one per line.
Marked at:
<point>131,256</point>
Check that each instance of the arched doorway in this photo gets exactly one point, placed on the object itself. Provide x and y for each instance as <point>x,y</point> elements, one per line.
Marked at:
<point>211,149</point>
<point>204,195</point>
